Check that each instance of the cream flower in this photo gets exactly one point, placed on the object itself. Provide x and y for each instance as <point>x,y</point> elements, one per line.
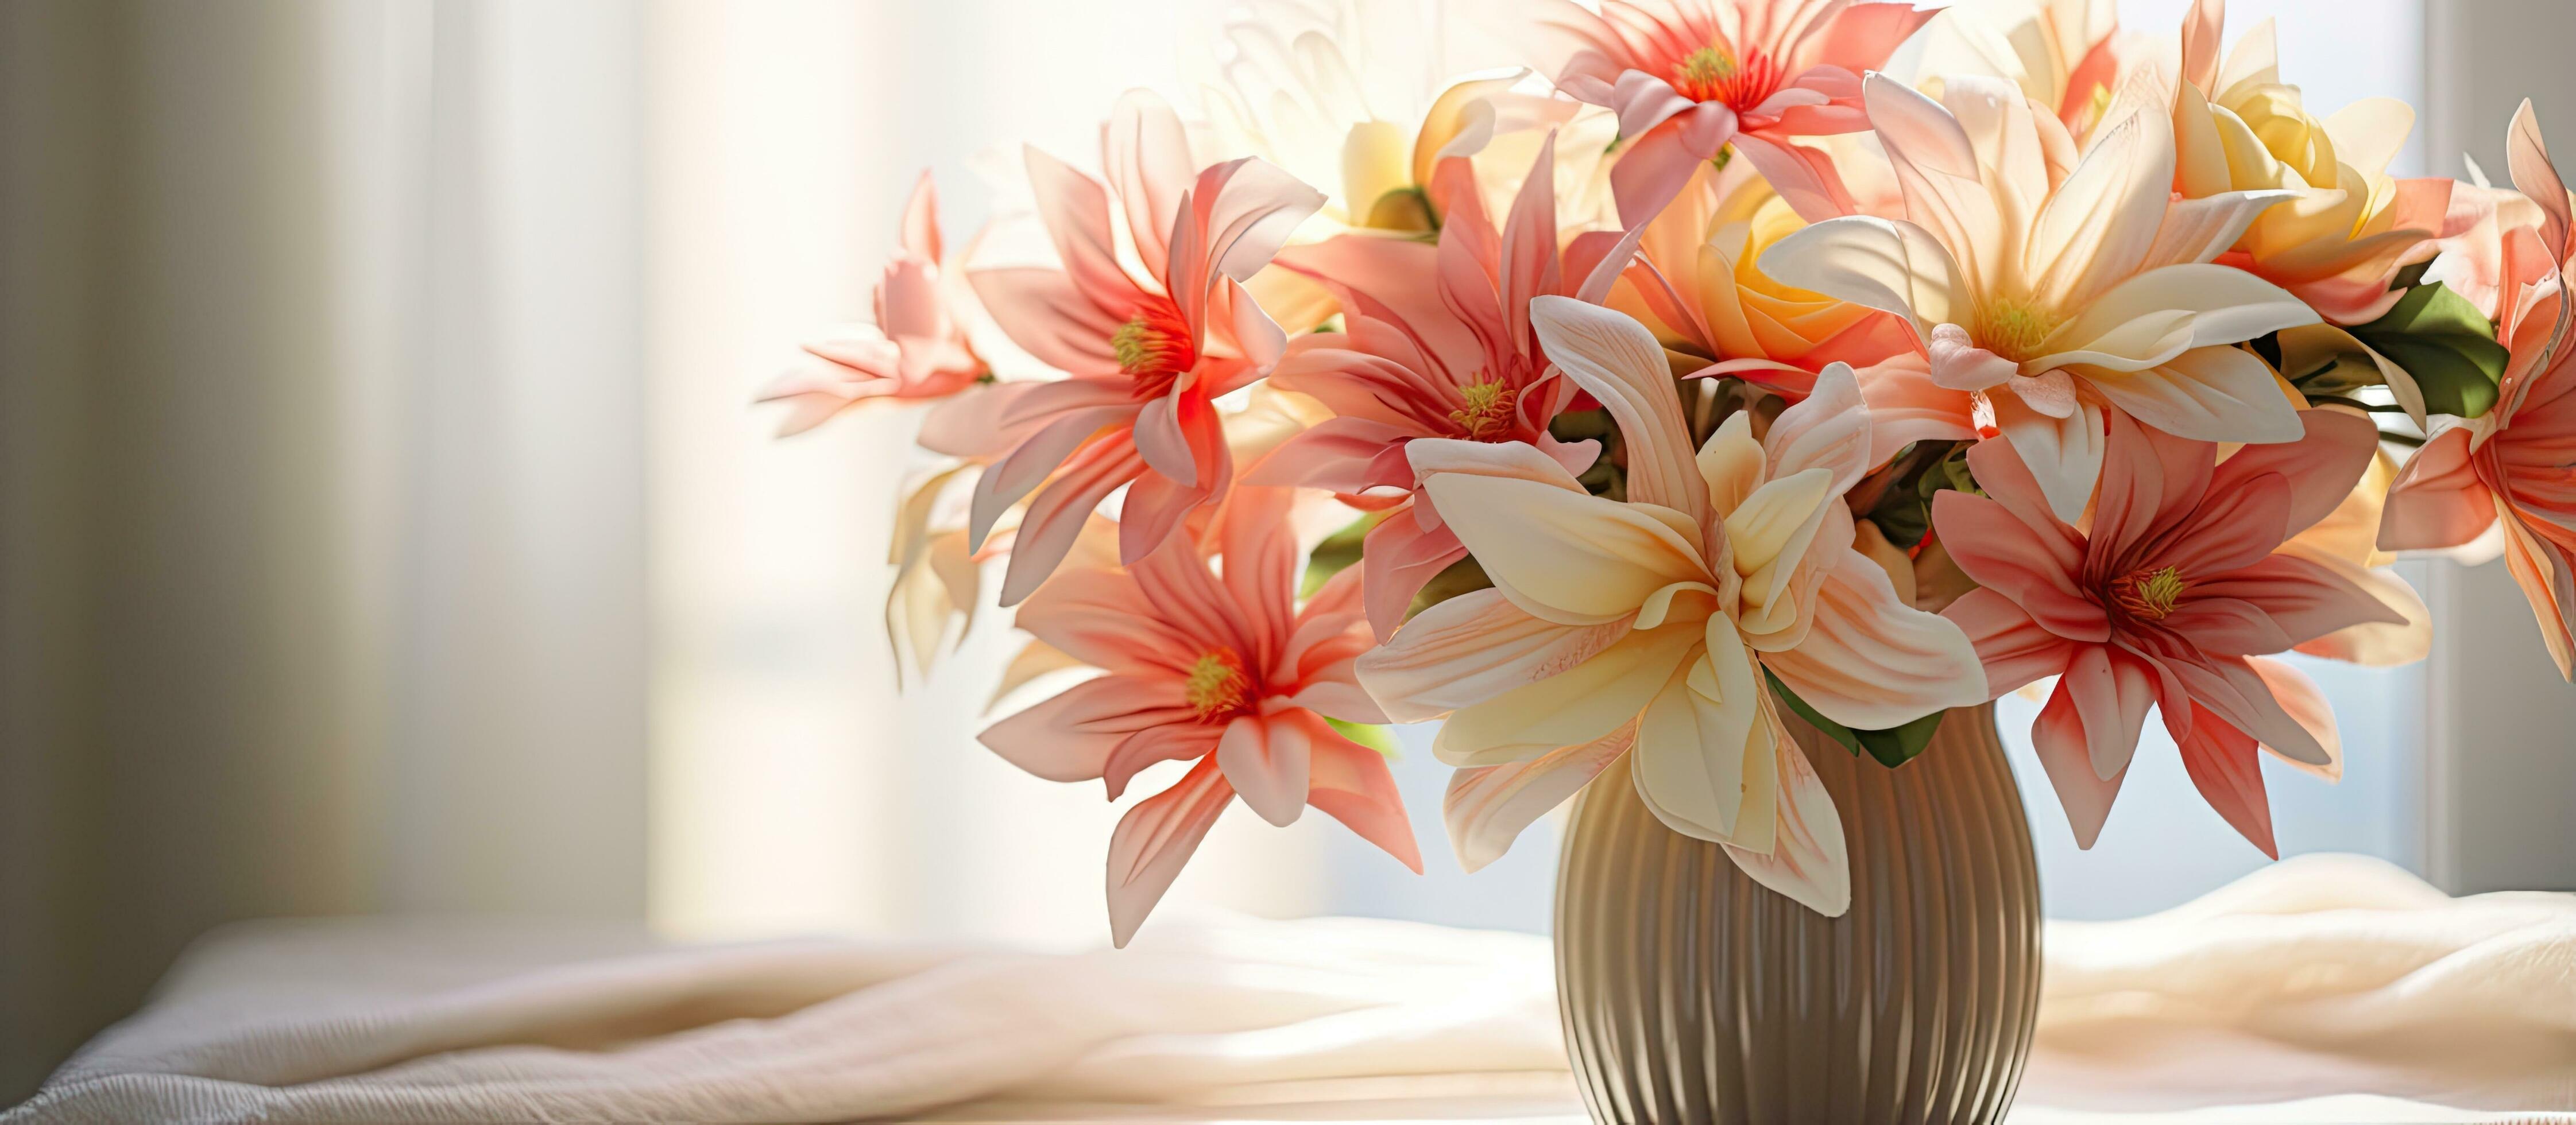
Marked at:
<point>2068,55</point>
<point>2046,289</point>
<point>1650,625</point>
<point>1352,96</point>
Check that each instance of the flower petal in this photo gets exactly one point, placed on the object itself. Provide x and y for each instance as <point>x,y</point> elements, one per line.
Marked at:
<point>1518,460</point>
<point>1069,736</point>
<point>1886,264</point>
<point>1486,807</point>
<point>1146,153</point>
<point>1048,314</point>
<point>2197,230</point>
<point>2063,455</point>
<point>1102,619</point>
<point>2063,743</point>
<point>1058,514</point>
<point>2034,567</point>
<point>2231,687</point>
<point>1808,860</point>
<point>2098,225</point>
<point>2227,305</point>
<point>1616,360</point>
<point>1829,429</point>
<point>2223,766</point>
<point>2012,647</point>
<point>1694,767</point>
<point>1574,706</point>
<point>2323,465</point>
<point>1870,661</point>
<point>1571,559</point>
<point>2306,705</point>
<point>1472,648</point>
<point>2438,500</point>
<point>1154,839</point>
<point>2302,597</point>
<point>2377,643</point>
<point>1267,762</point>
<point>1351,784</point>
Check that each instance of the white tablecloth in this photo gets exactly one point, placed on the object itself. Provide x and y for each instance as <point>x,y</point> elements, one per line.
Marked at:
<point>2323,989</point>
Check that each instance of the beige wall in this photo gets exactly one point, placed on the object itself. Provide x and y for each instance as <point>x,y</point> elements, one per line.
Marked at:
<point>2501,750</point>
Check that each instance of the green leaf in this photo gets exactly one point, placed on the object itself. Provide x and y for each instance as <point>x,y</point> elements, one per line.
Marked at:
<point>1893,746</point>
<point>1466,576</point>
<point>1407,208</point>
<point>1374,737</point>
<point>1903,517</point>
<point>2445,344</point>
<point>1336,553</point>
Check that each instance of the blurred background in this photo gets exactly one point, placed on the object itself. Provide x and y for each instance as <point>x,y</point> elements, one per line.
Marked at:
<point>384,525</point>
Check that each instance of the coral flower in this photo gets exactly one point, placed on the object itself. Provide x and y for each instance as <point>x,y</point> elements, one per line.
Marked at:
<point>2046,289</point>
<point>1649,626</point>
<point>1146,356</point>
<point>1689,77</point>
<point>1438,343</point>
<point>1222,671</point>
<point>1697,284</point>
<point>2340,240</point>
<point>917,349</point>
<point>2515,464</point>
<point>2171,597</point>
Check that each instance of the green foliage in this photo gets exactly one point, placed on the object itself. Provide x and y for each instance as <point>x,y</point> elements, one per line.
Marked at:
<point>1893,746</point>
<point>1606,476</point>
<point>2445,344</point>
<point>1374,737</point>
<point>1904,511</point>
<point>1466,576</point>
<point>1336,553</point>
<point>1408,209</point>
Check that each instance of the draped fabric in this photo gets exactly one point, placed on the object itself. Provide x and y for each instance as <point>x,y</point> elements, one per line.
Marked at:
<point>2326,988</point>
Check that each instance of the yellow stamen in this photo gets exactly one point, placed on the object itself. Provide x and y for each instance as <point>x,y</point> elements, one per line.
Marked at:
<point>1488,412</point>
<point>1217,686</point>
<point>2013,330</point>
<point>1137,344</point>
<point>1706,66</point>
<point>2151,594</point>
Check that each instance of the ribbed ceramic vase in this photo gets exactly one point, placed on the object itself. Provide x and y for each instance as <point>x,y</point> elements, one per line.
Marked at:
<point>1691,993</point>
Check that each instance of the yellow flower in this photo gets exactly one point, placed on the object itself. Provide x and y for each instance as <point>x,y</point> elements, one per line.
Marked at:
<point>2351,226</point>
<point>1706,298</point>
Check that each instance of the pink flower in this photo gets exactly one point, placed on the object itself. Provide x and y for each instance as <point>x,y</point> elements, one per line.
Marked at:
<point>1437,344</point>
<point>2171,598</point>
<point>917,349</point>
<point>1146,356</point>
<point>1689,77</point>
<point>1220,670</point>
<point>2517,462</point>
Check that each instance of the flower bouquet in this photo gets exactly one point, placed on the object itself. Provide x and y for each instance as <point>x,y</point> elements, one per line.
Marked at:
<point>1671,395</point>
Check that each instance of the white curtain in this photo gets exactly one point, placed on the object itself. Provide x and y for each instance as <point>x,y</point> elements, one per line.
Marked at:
<point>384,522</point>
<point>324,493</point>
